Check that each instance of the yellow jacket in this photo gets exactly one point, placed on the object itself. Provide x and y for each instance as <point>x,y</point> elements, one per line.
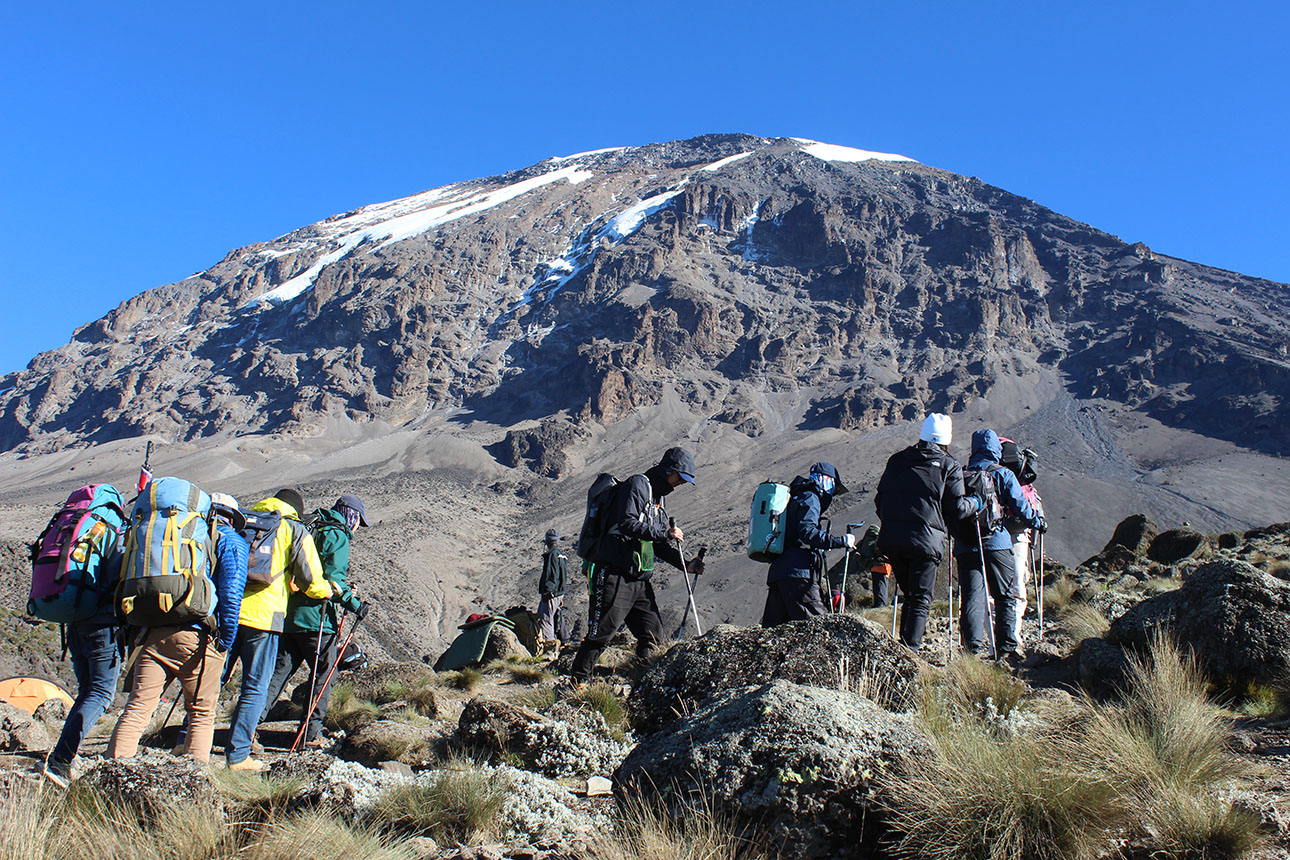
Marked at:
<point>264,607</point>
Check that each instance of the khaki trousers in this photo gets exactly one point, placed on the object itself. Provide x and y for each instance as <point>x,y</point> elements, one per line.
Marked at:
<point>168,653</point>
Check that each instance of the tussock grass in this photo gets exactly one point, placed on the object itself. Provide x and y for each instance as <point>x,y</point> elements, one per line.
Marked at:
<point>524,670</point>
<point>969,682</point>
<point>466,679</point>
<point>320,837</point>
<point>1060,594</point>
<point>645,832</point>
<point>1148,770</point>
<point>600,697</point>
<point>461,805</point>
<point>255,797</point>
<point>537,699</point>
<point>349,711</point>
<point>1082,622</point>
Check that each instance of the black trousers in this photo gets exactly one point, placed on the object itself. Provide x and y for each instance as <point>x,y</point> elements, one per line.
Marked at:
<point>880,588</point>
<point>618,601</point>
<point>295,649</point>
<point>915,573</point>
<point>792,600</point>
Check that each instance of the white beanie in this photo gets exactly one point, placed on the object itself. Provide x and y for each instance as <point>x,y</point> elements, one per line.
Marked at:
<point>936,428</point>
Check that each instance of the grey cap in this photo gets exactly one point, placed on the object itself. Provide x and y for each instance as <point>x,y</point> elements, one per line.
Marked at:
<point>354,503</point>
<point>552,536</point>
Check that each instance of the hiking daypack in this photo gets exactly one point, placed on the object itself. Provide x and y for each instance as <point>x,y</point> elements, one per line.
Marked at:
<point>169,557</point>
<point>980,483</point>
<point>528,627</point>
<point>594,524</point>
<point>766,526</point>
<point>77,558</point>
<point>261,529</point>
<point>1020,461</point>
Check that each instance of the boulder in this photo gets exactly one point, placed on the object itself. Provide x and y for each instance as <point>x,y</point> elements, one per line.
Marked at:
<point>828,651</point>
<point>1113,559</point>
<point>797,763</point>
<point>373,681</point>
<point>1135,533</point>
<point>20,732</point>
<point>154,781</point>
<point>1139,623</point>
<point>1101,667</point>
<point>1113,604</point>
<point>503,643</point>
<point>571,741</point>
<point>393,740</point>
<point>1171,547</point>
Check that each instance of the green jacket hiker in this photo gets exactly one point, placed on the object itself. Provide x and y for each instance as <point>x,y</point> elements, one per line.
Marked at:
<point>331,537</point>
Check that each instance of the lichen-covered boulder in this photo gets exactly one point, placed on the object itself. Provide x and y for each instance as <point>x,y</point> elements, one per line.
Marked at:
<point>1172,546</point>
<point>413,743</point>
<point>826,651</point>
<point>19,732</point>
<point>1136,627</point>
<point>1134,533</point>
<point>154,781</point>
<point>1102,667</point>
<point>502,644</point>
<point>798,763</point>
<point>569,741</point>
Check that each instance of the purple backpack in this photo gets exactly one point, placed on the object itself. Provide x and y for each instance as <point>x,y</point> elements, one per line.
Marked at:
<point>77,558</point>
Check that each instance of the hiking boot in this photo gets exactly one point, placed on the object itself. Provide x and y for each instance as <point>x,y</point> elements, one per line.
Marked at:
<point>318,743</point>
<point>249,765</point>
<point>57,773</point>
<point>1011,660</point>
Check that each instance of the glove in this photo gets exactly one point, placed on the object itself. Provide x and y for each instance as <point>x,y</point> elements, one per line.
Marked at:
<point>1041,525</point>
<point>849,541</point>
<point>694,566</point>
<point>362,610</point>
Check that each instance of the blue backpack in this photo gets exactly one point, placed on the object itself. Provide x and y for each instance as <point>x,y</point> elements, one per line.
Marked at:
<point>77,558</point>
<point>166,578</point>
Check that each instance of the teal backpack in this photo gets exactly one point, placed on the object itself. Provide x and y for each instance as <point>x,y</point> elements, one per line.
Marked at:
<point>766,522</point>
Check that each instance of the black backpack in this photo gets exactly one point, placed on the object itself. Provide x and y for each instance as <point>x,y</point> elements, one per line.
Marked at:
<point>595,524</point>
<point>980,483</point>
<point>1020,461</point>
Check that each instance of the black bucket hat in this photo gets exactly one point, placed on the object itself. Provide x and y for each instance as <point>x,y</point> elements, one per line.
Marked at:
<point>291,497</point>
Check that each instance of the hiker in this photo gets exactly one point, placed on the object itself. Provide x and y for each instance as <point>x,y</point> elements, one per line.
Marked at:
<point>996,571</point>
<point>1021,462</point>
<point>793,580</point>
<point>920,490</point>
<point>193,653</point>
<point>285,550</point>
<point>636,533</point>
<point>310,628</point>
<point>551,591</point>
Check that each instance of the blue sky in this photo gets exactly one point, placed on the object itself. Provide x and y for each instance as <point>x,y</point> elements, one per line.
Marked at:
<point>141,142</point>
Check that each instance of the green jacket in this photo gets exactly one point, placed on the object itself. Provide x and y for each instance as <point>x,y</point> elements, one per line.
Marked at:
<point>305,614</point>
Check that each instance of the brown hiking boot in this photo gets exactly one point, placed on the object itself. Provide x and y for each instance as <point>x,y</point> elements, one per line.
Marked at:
<point>249,765</point>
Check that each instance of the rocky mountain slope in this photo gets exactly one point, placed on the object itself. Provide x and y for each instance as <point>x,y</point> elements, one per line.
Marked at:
<point>468,357</point>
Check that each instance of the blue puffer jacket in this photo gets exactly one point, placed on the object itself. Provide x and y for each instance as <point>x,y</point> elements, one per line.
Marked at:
<point>803,537</point>
<point>231,554</point>
<point>986,452</point>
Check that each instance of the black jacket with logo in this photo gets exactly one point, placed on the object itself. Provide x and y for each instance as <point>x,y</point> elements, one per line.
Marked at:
<point>637,514</point>
<point>921,488</point>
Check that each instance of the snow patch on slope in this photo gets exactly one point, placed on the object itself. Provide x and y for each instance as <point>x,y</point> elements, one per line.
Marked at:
<point>585,154</point>
<point>717,165</point>
<point>847,154</point>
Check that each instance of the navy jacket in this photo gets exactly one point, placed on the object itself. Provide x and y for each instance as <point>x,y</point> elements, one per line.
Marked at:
<point>803,537</point>
<point>986,452</point>
<point>920,490</point>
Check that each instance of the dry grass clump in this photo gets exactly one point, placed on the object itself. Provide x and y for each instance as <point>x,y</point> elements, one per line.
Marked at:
<point>461,805</point>
<point>466,679</point>
<point>644,832</point>
<point>537,698</point>
<point>1161,584</point>
<point>1082,621</point>
<point>1147,771</point>
<point>253,797</point>
<point>349,711</point>
<point>524,670</point>
<point>320,837</point>
<point>1060,594</point>
<point>970,682</point>
<point>602,698</point>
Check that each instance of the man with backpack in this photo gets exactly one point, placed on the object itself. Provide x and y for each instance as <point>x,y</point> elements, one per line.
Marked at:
<point>311,625</point>
<point>551,589</point>
<point>793,579</point>
<point>921,490</point>
<point>635,532</point>
<point>983,547</point>
<point>194,652</point>
<point>283,549</point>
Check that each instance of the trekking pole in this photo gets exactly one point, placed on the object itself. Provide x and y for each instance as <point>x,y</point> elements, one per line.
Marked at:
<point>313,668</point>
<point>1039,584</point>
<point>671,524</point>
<point>313,705</point>
<point>989,608</point>
<point>846,561</point>
<point>949,548</point>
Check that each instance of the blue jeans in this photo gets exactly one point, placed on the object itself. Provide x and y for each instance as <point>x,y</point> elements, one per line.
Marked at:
<point>258,651</point>
<point>97,664</point>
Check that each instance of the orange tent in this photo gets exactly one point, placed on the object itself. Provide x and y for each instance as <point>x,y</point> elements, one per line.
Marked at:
<point>30,693</point>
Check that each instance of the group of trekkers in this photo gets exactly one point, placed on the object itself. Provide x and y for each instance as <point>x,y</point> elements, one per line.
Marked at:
<point>925,500</point>
<point>184,587</point>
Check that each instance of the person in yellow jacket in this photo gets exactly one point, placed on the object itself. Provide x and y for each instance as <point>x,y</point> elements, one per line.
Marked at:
<point>283,557</point>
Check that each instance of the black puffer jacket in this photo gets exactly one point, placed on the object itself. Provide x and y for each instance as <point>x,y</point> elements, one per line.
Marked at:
<point>920,489</point>
<point>638,514</point>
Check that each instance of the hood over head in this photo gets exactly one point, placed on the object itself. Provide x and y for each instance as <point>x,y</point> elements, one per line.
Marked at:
<point>985,444</point>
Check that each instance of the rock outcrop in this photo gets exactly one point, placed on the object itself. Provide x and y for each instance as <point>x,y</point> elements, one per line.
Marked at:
<point>795,763</point>
<point>829,651</point>
<point>20,732</point>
